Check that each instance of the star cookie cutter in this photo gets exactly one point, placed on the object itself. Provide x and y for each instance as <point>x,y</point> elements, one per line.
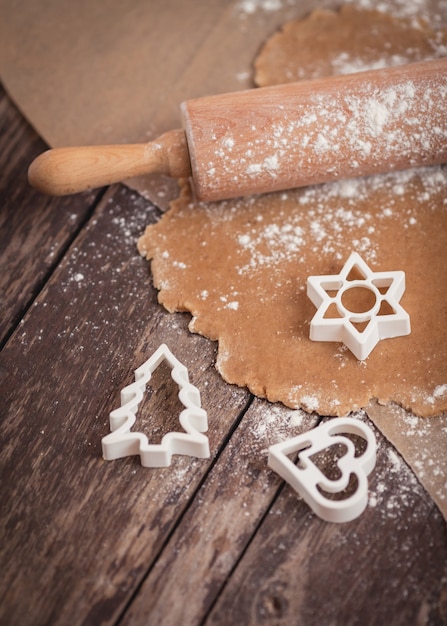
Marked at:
<point>123,442</point>
<point>379,316</point>
<point>309,481</point>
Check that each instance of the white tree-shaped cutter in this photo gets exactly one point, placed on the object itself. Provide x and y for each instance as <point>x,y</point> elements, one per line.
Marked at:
<point>122,442</point>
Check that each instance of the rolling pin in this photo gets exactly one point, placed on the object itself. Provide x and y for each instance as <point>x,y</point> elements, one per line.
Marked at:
<point>278,137</point>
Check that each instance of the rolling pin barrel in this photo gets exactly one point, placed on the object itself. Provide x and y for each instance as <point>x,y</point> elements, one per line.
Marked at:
<point>278,137</point>
<point>317,131</point>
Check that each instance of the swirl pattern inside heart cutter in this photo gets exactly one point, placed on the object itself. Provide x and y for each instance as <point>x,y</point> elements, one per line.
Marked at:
<point>309,481</point>
<point>123,442</point>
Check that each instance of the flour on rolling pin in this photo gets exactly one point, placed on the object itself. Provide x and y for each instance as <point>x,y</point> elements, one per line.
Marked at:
<point>297,134</point>
<point>278,137</point>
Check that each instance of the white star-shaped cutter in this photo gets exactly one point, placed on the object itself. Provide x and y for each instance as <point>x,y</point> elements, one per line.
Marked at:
<point>312,484</point>
<point>361,329</point>
<point>193,418</point>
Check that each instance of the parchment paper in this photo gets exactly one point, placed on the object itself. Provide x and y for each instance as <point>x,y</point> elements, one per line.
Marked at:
<point>116,71</point>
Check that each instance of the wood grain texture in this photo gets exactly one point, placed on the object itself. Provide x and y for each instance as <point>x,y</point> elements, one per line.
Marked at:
<point>77,532</point>
<point>34,229</point>
<point>386,567</point>
<point>219,525</point>
<point>215,541</point>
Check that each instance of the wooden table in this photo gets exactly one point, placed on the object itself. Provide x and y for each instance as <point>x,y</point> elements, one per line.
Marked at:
<point>215,541</point>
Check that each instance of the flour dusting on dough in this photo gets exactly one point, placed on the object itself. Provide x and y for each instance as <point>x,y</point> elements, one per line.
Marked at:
<point>365,36</point>
<point>240,266</point>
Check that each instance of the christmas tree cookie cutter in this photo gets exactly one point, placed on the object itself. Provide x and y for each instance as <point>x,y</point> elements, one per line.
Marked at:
<point>122,442</point>
<point>360,326</point>
<point>312,484</point>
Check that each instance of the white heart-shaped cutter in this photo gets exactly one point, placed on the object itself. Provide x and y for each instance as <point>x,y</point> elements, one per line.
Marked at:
<point>307,477</point>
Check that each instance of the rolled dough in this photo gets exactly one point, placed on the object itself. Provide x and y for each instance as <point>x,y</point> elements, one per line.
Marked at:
<point>351,40</point>
<point>240,267</point>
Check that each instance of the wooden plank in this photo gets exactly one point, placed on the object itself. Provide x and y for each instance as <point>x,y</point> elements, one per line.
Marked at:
<point>78,534</point>
<point>34,229</point>
<point>386,567</point>
<point>204,541</point>
<point>205,547</point>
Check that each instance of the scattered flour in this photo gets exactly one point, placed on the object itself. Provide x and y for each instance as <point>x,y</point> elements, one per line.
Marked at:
<point>403,8</point>
<point>340,133</point>
<point>248,7</point>
<point>275,423</point>
<point>344,63</point>
<point>271,243</point>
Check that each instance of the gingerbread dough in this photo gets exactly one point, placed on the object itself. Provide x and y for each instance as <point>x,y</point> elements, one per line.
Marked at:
<point>240,267</point>
<point>352,40</point>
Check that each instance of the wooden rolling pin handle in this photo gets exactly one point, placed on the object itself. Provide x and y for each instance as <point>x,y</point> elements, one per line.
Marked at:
<point>63,171</point>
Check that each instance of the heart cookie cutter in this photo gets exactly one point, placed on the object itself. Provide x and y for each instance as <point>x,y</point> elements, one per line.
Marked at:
<point>311,483</point>
<point>193,418</point>
<point>336,319</point>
